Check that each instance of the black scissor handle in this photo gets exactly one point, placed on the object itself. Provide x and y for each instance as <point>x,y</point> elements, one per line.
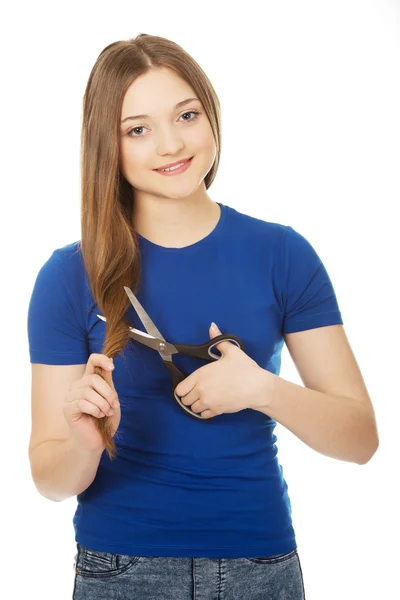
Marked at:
<point>204,350</point>
<point>177,376</point>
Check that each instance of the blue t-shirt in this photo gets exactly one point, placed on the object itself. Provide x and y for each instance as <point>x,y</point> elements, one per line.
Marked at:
<point>182,487</point>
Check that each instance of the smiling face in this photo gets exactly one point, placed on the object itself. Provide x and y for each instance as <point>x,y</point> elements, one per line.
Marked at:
<point>168,134</point>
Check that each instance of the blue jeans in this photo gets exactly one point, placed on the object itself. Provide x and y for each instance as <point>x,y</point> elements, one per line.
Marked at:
<point>107,576</point>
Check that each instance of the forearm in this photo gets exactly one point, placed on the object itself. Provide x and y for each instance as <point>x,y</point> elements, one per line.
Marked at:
<point>61,470</point>
<point>337,426</point>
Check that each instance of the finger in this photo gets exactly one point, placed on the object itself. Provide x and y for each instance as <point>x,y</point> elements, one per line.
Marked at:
<point>197,406</point>
<point>187,385</point>
<point>215,332</point>
<point>104,388</point>
<point>189,398</point>
<point>99,386</point>
<point>107,376</point>
<point>86,407</point>
<point>207,414</point>
<point>98,360</point>
<point>92,396</point>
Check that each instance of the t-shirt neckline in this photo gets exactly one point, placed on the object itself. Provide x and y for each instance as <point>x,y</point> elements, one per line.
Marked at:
<point>145,243</point>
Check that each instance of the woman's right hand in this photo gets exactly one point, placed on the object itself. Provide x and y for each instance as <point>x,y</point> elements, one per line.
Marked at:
<point>89,399</point>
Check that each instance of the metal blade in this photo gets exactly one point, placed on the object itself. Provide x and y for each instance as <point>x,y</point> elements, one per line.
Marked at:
<point>144,317</point>
<point>164,348</point>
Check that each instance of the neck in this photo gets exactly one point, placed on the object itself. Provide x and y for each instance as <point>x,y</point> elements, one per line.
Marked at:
<point>175,223</point>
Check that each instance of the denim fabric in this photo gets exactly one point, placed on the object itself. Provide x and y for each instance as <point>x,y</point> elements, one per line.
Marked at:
<point>107,576</point>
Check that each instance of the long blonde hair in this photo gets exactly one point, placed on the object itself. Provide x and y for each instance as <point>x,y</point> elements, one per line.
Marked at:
<point>109,243</point>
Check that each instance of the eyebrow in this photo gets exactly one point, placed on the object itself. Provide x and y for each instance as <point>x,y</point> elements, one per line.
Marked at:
<point>182,103</point>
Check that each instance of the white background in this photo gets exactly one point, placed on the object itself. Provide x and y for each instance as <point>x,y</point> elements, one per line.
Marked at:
<point>310,99</point>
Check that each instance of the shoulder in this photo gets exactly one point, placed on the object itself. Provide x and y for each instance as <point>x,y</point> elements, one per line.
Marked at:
<point>69,256</point>
<point>63,266</point>
<point>67,260</point>
<point>254,229</point>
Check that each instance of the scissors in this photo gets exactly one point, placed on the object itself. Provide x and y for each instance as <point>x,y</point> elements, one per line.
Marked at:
<point>155,340</point>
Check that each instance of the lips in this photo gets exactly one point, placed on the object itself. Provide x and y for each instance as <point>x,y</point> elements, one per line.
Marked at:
<point>178,162</point>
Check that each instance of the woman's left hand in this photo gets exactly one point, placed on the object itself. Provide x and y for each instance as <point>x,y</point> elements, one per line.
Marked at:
<point>227,385</point>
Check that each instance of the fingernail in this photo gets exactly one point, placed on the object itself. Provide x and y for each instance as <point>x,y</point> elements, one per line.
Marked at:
<point>213,326</point>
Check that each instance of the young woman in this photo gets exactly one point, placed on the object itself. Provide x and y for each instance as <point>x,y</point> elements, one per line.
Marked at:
<point>171,506</point>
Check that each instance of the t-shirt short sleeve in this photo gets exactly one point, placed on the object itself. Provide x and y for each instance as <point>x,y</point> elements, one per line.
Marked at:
<point>55,323</point>
<point>309,297</point>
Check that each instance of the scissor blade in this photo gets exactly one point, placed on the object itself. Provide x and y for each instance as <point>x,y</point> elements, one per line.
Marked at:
<point>149,340</point>
<point>144,317</point>
<point>161,346</point>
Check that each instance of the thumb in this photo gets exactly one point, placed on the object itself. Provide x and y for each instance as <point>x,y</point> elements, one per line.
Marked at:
<point>214,331</point>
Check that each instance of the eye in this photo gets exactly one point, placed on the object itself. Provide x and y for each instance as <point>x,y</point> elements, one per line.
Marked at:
<point>133,129</point>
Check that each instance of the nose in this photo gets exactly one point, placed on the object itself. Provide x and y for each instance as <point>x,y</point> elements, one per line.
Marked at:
<point>169,142</point>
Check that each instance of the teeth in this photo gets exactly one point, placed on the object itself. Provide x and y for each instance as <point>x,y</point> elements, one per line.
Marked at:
<point>173,168</point>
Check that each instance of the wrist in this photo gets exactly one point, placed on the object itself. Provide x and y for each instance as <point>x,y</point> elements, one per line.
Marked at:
<point>264,385</point>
